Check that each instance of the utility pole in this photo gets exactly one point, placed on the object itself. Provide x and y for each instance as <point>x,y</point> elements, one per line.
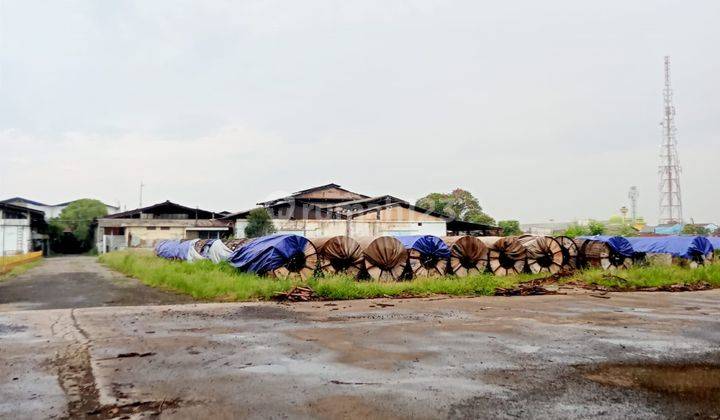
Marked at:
<point>670,203</point>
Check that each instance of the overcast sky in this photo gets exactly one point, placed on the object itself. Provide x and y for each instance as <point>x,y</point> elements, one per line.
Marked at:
<point>542,109</point>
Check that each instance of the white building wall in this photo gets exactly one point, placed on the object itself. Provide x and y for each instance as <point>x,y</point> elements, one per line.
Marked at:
<point>15,236</point>
<point>240,226</point>
<point>52,211</point>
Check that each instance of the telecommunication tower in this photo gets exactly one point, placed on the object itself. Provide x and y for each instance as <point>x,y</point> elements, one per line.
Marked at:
<point>669,168</point>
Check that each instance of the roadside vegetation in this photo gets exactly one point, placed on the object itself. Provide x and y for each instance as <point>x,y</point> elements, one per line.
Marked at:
<point>72,231</point>
<point>221,282</point>
<point>19,269</point>
<point>653,276</point>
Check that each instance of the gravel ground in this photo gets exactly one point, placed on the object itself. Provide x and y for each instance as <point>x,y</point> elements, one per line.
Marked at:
<point>78,282</point>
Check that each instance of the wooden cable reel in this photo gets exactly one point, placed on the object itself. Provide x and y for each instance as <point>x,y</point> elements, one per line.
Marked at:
<point>544,254</point>
<point>200,244</point>
<point>468,255</point>
<point>599,254</point>
<point>506,255</point>
<point>385,258</point>
<point>339,255</point>
<point>422,265</point>
<point>300,265</point>
<point>569,252</point>
<point>697,260</point>
<point>234,244</point>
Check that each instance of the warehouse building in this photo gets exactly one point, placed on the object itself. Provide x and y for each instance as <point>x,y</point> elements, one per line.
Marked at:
<point>22,230</point>
<point>50,210</point>
<point>144,227</point>
<point>330,210</point>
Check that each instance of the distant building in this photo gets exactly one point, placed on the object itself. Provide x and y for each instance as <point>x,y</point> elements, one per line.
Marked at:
<point>330,210</point>
<point>669,229</point>
<point>50,210</point>
<point>144,227</point>
<point>22,230</point>
<point>549,228</point>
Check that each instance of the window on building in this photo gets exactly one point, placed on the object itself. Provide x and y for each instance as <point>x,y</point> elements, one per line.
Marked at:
<point>164,228</point>
<point>11,214</point>
<point>115,231</point>
<point>172,216</point>
<point>207,234</point>
<point>151,228</point>
<point>419,223</point>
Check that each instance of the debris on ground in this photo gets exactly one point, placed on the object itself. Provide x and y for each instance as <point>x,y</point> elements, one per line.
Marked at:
<point>296,294</point>
<point>134,354</point>
<point>336,382</point>
<point>531,288</point>
<point>678,287</point>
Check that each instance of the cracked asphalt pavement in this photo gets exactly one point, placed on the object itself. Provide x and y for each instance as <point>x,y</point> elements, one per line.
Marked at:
<point>121,350</point>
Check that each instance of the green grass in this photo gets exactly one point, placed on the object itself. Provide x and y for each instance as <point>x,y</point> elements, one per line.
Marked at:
<point>201,280</point>
<point>221,282</point>
<point>20,269</point>
<point>653,276</point>
<point>339,288</point>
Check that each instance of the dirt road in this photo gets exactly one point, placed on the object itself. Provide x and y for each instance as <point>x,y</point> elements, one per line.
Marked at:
<point>634,355</point>
<point>77,282</point>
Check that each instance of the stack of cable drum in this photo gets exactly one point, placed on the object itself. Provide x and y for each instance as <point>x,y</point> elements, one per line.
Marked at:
<point>394,258</point>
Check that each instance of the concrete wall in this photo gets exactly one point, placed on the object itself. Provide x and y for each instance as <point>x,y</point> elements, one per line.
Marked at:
<point>392,221</point>
<point>398,213</point>
<point>356,228</point>
<point>142,233</point>
<point>141,237</point>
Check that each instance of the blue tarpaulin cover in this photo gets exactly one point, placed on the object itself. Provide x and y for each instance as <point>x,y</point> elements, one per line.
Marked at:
<point>182,249</point>
<point>267,253</point>
<point>426,244</point>
<point>173,250</point>
<point>160,248</point>
<point>167,249</point>
<point>618,244</point>
<point>715,241</point>
<point>678,246</point>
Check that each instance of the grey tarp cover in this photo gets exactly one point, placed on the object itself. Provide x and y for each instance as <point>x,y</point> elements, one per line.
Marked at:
<point>218,252</point>
<point>192,254</point>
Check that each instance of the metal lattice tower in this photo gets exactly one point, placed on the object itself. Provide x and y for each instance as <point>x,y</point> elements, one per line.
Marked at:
<point>633,195</point>
<point>669,168</point>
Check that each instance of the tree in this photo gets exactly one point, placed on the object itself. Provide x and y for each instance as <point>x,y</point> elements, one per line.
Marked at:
<point>695,230</point>
<point>510,227</point>
<point>458,204</point>
<point>627,230</point>
<point>576,230</point>
<point>77,218</point>
<point>259,224</point>
<point>595,227</point>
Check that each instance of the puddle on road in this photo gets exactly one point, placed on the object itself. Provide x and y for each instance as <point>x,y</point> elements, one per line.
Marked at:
<point>696,381</point>
<point>11,328</point>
